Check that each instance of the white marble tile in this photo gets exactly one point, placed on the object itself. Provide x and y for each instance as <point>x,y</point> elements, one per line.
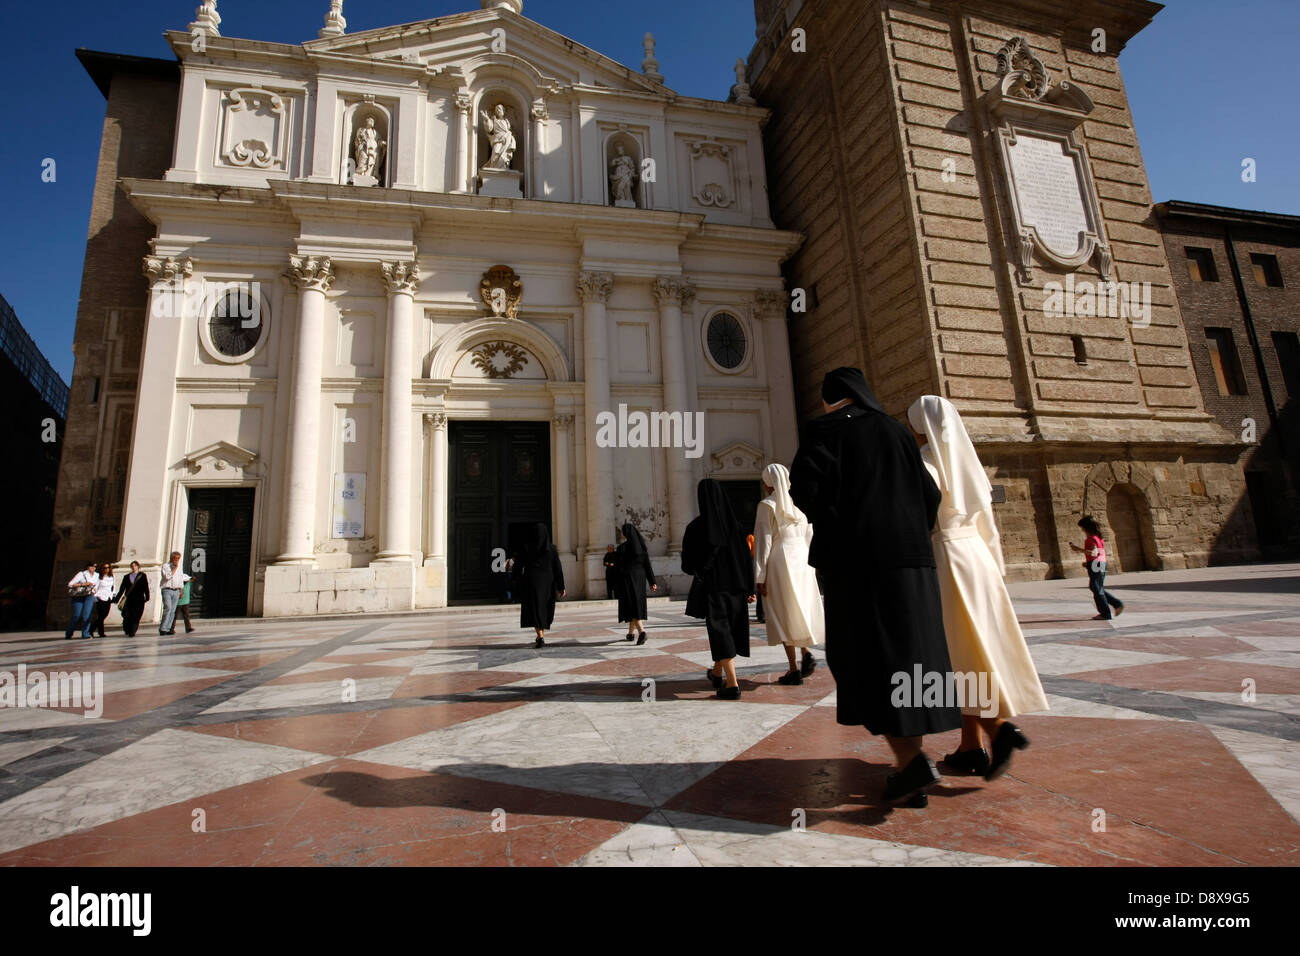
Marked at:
<point>32,718</point>
<point>137,678</point>
<point>1270,642</point>
<point>719,842</point>
<point>1277,658</point>
<point>1269,760</point>
<point>1075,658</point>
<point>1281,703</point>
<point>164,768</point>
<point>544,665</point>
<point>308,695</point>
<point>551,745</point>
<point>1070,707</point>
<point>652,842</point>
<point>830,700</point>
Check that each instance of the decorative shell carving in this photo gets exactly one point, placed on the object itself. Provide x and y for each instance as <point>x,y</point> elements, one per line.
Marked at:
<point>1016,57</point>
<point>499,359</point>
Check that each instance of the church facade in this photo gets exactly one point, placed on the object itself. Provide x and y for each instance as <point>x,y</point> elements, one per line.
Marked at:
<point>409,291</point>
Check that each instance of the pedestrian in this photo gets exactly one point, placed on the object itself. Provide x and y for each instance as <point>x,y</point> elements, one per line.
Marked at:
<point>858,477</point>
<point>81,596</point>
<point>984,638</point>
<point>171,581</point>
<point>759,617</point>
<point>794,604</point>
<point>634,573</point>
<point>183,605</point>
<point>131,598</point>
<point>541,579</point>
<point>714,551</point>
<point>1094,559</point>
<point>611,573</point>
<point>103,599</point>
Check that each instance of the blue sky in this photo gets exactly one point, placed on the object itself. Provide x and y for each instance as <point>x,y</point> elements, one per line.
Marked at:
<point>1209,83</point>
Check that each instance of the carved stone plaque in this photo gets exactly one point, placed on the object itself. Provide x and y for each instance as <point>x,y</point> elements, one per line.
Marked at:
<point>1049,194</point>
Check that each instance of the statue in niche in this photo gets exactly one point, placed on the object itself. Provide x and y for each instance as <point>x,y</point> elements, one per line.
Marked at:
<point>366,147</point>
<point>622,177</point>
<point>497,129</point>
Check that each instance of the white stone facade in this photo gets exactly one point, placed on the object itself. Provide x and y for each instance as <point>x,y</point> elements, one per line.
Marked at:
<point>374,329</point>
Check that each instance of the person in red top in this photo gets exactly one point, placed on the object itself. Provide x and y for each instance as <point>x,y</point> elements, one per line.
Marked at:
<point>1094,559</point>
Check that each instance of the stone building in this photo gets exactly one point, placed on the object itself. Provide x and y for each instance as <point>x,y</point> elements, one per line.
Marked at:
<point>1237,276</point>
<point>408,291</point>
<point>979,226</point>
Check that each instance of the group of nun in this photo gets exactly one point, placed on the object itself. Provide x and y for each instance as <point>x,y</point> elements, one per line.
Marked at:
<point>899,524</point>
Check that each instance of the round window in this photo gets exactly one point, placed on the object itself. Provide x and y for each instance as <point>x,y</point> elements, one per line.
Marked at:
<point>727,342</point>
<point>236,324</point>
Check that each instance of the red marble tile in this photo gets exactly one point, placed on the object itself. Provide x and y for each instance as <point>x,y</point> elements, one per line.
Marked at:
<point>1260,628</point>
<point>1199,675</point>
<point>1175,646</point>
<point>127,703</point>
<point>372,657</point>
<point>337,674</point>
<point>350,813</point>
<point>243,662</point>
<point>356,731</point>
<point>643,666</point>
<point>455,683</point>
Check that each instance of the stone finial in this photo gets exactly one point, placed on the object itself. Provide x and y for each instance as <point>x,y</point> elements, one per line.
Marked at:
<point>514,6</point>
<point>334,22</point>
<point>650,66</point>
<point>740,92</point>
<point>207,19</point>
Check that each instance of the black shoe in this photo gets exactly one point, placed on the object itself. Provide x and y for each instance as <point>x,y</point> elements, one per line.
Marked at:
<point>1009,738</point>
<point>729,693</point>
<point>918,774</point>
<point>790,679</point>
<point>714,679</point>
<point>640,639</point>
<point>917,801</point>
<point>966,762</point>
<point>539,643</point>
<point>808,666</point>
<point>630,636</point>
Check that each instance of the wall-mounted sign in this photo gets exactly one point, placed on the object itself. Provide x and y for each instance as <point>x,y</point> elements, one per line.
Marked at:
<point>349,498</point>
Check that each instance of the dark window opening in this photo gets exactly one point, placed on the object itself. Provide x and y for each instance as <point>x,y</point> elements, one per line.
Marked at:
<point>94,390</point>
<point>1288,357</point>
<point>1200,265</point>
<point>1224,361</point>
<point>1080,350</point>
<point>1266,269</point>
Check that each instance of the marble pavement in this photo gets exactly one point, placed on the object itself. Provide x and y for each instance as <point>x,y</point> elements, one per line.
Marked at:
<point>445,738</point>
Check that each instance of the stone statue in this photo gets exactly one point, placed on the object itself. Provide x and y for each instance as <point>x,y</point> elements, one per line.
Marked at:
<point>622,175</point>
<point>497,128</point>
<point>366,148</point>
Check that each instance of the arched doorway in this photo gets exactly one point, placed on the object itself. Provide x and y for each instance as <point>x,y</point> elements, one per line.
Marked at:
<point>1128,519</point>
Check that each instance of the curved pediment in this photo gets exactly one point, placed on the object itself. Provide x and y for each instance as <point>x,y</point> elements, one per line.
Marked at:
<point>498,360</point>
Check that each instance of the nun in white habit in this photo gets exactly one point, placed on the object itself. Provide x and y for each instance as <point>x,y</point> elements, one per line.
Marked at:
<point>791,600</point>
<point>984,637</point>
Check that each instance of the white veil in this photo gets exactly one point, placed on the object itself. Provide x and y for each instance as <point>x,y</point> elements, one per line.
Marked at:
<point>962,479</point>
<point>777,478</point>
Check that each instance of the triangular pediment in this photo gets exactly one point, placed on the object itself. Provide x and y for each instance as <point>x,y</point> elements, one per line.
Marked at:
<point>224,452</point>
<point>739,458</point>
<point>469,42</point>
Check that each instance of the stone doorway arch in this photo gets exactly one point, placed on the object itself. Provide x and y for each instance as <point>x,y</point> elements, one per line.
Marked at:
<point>1128,517</point>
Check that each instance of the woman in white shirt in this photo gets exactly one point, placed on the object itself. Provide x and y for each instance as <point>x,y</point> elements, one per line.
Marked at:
<point>793,605</point>
<point>103,599</point>
<point>985,642</point>
<point>81,595</point>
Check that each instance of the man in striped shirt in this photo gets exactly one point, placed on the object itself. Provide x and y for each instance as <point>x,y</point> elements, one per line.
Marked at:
<point>173,579</point>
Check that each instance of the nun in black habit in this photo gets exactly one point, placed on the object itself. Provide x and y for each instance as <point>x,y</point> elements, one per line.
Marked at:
<point>715,551</point>
<point>859,478</point>
<point>634,571</point>
<point>541,579</point>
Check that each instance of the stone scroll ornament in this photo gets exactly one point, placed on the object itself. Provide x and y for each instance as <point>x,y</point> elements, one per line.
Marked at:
<point>1045,162</point>
<point>501,291</point>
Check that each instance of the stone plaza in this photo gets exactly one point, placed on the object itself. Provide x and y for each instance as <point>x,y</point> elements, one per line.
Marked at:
<point>442,737</point>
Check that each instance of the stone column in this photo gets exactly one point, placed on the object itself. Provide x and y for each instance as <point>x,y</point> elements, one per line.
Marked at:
<point>594,289</point>
<point>313,276</point>
<point>672,292</point>
<point>438,480</point>
<point>537,188</point>
<point>563,523</point>
<point>144,513</point>
<point>402,278</point>
<point>769,309</point>
<point>463,102</point>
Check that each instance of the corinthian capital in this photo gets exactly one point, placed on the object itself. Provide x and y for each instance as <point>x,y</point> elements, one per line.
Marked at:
<point>402,278</point>
<point>672,290</point>
<point>165,269</point>
<point>463,101</point>
<point>310,272</point>
<point>595,286</point>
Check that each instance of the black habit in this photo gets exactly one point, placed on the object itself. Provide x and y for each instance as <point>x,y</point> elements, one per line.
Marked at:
<point>859,478</point>
<point>715,551</point>
<point>137,595</point>
<point>634,573</point>
<point>540,577</point>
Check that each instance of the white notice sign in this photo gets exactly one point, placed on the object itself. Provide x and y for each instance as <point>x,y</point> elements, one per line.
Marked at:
<point>1048,193</point>
<point>349,504</point>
